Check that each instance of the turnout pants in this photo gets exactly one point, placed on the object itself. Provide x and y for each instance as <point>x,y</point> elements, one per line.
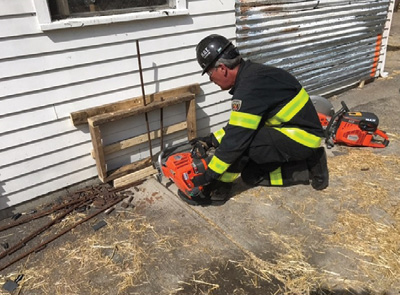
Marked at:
<point>273,159</point>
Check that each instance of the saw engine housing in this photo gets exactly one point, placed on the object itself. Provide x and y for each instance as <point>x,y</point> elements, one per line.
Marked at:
<point>181,168</point>
<point>360,129</point>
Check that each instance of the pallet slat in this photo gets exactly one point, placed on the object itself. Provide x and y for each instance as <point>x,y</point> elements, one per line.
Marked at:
<point>98,151</point>
<point>130,142</point>
<point>129,168</point>
<point>134,177</point>
<point>80,117</point>
<point>122,114</point>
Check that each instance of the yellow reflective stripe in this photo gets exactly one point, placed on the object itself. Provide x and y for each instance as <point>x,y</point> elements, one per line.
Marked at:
<point>276,177</point>
<point>301,136</point>
<point>229,177</point>
<point>244,120</point>
<point>219,134</point>
<point>218,165</point>
<point>290,109</point>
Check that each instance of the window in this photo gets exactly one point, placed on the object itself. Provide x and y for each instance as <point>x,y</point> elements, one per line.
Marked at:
<point>62,9</point>
<point>58,14</point>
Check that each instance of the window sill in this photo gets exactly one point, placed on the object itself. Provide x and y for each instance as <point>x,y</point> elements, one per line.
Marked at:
<point>103,20</point>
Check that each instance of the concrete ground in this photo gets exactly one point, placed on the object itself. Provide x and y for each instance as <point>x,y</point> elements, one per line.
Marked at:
<point>294,240</point>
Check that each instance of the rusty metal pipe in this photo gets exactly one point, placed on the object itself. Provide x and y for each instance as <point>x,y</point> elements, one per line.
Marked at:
<point>162,126</point>
<point>42,245</point>
<point>38,215</point>
<point>144,99</point>
<point>23,242</point>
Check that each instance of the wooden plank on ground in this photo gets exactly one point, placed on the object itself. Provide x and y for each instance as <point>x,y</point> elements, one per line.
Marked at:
<point>81,117</point>
<point>129,168</point>
<point>134,177</point>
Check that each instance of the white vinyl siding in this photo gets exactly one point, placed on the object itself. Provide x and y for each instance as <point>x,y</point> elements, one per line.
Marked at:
<point>46,76</point>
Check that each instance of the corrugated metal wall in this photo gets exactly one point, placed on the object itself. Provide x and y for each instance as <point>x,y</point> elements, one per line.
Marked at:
<point>328,45</point>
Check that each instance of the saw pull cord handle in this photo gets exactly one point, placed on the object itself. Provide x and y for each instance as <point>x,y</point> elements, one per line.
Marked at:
<point>330,129</point>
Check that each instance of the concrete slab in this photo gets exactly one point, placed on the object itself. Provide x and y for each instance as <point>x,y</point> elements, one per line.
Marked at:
<point>199,258</point>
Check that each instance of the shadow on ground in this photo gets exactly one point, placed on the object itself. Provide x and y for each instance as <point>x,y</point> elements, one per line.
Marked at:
<point>228,278</point>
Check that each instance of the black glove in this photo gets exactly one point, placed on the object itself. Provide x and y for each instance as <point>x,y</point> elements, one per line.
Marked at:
<point>199,180</point>
<point>202,179</point>
<point>205,141</point>
<point>195,192</point>
<point>199,150</point>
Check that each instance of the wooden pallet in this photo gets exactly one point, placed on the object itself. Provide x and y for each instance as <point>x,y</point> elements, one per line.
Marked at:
<point>99,116</point>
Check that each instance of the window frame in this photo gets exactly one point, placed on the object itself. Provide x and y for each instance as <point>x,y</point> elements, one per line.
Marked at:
<point>46,23</point>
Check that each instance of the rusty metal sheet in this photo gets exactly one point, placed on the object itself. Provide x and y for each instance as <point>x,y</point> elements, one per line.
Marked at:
<point>328,45</point>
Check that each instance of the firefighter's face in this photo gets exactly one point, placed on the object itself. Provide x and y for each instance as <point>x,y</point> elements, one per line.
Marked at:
<point>222,76</point>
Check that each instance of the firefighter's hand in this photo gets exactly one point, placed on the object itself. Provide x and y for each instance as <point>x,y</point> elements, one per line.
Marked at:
<point>205,141</point>
<point>199,150</point>
<point>200,180</point>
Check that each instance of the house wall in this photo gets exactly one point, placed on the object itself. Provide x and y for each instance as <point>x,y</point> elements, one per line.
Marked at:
<point>44,76</point>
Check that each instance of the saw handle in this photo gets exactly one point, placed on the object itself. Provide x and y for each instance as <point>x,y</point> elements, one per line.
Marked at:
<point>344,106</point>
<point>385,138</point>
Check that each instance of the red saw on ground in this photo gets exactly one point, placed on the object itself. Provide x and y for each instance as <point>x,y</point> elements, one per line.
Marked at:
<point>349,128</point>
<point>182,167</point>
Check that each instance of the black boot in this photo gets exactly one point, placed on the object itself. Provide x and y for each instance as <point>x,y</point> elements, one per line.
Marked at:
<point>318,167</point>
<point>215,194</point>
<point>219,192</point>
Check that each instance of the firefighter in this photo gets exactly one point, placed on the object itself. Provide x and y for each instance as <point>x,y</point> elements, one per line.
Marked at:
<point>273,136</point>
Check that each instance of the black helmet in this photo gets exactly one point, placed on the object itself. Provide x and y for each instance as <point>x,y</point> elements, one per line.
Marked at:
<point>213,47</point>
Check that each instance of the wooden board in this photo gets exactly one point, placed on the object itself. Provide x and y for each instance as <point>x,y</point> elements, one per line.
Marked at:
<point>191,119</point>
<point>99,152</point>
<point>82,116</point>
<point>122,114</point>
<point>126,180</point>
<point>129,168</point>
<point>130,142</point>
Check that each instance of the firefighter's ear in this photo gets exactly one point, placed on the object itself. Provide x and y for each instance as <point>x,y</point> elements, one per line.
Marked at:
<point>224,69</point>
